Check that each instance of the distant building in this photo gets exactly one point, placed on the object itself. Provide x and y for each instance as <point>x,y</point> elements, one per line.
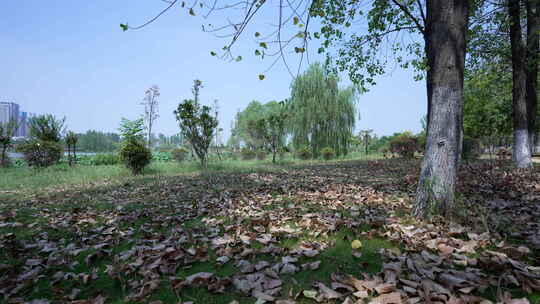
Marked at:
<point>10,111</point>
<point>23,125</point>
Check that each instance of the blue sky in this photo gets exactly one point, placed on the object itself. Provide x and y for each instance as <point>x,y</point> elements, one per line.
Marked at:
<point>70,58</point>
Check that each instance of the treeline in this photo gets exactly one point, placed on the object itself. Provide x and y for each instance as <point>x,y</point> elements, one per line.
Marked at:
<point>318,115</point>
<point>97,141</point>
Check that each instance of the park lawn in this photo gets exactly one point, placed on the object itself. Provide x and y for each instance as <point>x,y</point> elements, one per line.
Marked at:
<point>30,180</point>
<point>177,237</point>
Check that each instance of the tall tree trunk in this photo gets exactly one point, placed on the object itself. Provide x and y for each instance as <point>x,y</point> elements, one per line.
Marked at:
<point>521,151</point>
<point>446,29</point>
<point>533,47</point>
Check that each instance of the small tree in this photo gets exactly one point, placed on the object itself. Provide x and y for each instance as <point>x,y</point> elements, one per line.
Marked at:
<point>365,138</point>
<point>405,145</point>
<point>133,151</point>
<point>47,128</point>
<point>197,124</point>
<point>150,103</point>
<point>44,147</point>
<point>7,131</point>
<point>71,143</point>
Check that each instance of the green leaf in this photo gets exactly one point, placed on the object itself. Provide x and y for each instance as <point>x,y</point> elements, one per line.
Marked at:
<point>263,45</point>
<point>213,53</point>
<point>295,20</point>
<point>257,34</point>
<point>124,27</point>
<point>261,77</point>
<point>257,52</point>
<point>239,58</point>
<point>191,12</point>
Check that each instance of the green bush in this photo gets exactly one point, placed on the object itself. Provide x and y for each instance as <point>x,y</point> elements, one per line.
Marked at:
<point>304,153</point>
<point>40,153</point>
<point>404,145</point>
<point>248,154</point>
<point>162,156</point>
<point>328,153</point>
<point>180,154</point>
<point>135,155</point>
<point>261,155</point>
<point>105,159</point>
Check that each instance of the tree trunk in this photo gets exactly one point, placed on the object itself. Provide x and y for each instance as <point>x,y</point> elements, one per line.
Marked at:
<point>533,47</point>
<point>521,151</point>
<point>3,161</point>
<point>445,37</point>
<point>150,131</point>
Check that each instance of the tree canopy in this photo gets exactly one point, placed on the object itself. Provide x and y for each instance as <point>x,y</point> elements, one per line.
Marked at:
<point>324,115</point>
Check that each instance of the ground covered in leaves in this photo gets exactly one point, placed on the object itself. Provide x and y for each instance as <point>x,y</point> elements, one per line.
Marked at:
<point>326,233</point>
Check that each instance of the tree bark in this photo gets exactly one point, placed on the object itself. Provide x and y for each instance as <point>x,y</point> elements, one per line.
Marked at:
<point>445,37</point>
<point>533,47</point>
<point>521,149</point>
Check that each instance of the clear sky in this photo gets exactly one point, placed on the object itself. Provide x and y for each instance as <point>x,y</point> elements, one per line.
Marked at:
<point>70,58</point>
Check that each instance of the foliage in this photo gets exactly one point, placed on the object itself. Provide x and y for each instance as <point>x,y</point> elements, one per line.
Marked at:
<point>46,128</point>
<point>487,104</point>
<point>71,138</point>
<point>270,130</point>
<point>132,130</point>
<point>40,153</point>
<point>309,125</point>
<point>304,153</point>
<point>96,141</point>
<point>105,159</point>
<point>328,153</point>
<point>133,152</point>
<point>180,154</point>
<point>405,145</point>
<point>135,155</point>
<point>197,124</point>
<point>261,154</point>
<point>243,132</point>
<point>248,154</point>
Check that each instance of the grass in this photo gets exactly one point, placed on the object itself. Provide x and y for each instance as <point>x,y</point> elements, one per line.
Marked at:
<point>105,192</point>
<point>336,258</point>
<point>29,180</point>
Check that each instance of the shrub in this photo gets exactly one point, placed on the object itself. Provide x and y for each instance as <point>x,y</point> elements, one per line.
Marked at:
<point>180,154</point>
<point>40,153</point>
<point>162,156</point>
<point>261,155</point>
<point>135,155</point>
<point>404,145</point>
<point>304,153</point>
<point>105,159</point>
<point>46,128</point>
<point>328,153</point>
<point>248,154</point>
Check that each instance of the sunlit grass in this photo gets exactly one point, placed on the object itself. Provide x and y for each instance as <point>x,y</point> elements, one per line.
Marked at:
<point>30,180</point>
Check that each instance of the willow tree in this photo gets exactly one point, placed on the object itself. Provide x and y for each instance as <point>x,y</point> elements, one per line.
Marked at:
<point>323,115</point>
<point>435,47</point>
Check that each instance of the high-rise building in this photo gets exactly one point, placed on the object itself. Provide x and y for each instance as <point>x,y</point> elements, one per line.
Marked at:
<point>9,111</point>
<point>23,125</point>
